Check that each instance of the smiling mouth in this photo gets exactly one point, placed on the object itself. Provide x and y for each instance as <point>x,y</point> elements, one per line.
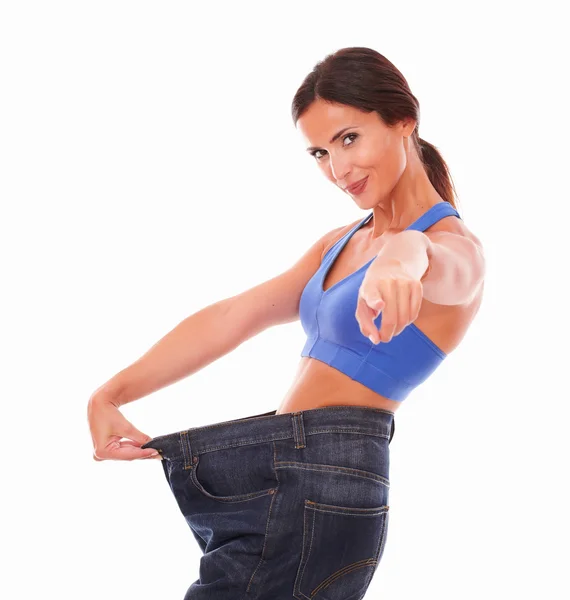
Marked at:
<point>359,188</point>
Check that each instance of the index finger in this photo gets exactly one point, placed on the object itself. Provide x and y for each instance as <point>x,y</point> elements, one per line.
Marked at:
<point>366,317</point>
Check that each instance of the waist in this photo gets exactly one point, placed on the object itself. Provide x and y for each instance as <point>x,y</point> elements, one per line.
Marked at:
<point>392,370</point>
<point>316,384</point>
<point>267,427</point>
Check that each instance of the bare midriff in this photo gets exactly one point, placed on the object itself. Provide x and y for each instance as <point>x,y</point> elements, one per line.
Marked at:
<point>317,384</point>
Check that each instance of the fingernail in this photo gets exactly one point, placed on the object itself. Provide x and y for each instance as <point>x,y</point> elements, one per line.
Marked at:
<point>371,338</point>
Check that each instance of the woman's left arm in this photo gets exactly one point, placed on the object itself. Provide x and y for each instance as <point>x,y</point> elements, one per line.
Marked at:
<point>443,267</point>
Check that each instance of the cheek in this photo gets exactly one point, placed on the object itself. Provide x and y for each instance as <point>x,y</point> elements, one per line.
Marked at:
<point>370,157</point>
<point>395,159</point>
<point>382,167</point>
<point>390,166</point>
<point>377,155</point>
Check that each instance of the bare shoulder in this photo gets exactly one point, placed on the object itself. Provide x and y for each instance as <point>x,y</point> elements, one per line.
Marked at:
<point>452,224</point>
<point>332,237</point>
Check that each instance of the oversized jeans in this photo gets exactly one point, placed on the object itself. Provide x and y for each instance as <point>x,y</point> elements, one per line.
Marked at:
<point>284,506</point>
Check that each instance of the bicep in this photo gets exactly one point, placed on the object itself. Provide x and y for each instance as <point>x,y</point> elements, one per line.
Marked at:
<point>275,301</point>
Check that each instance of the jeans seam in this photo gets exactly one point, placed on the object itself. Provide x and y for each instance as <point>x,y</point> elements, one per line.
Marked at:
<point>289,464</point>
<point>185,449</point>
<point>305,559</point>
<point>262,559</point>
<point>247,442</point>
<point>367,562</point>
<point>380,545</point>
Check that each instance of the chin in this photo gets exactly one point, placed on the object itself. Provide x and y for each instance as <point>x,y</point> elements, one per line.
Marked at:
<point>367,204</point>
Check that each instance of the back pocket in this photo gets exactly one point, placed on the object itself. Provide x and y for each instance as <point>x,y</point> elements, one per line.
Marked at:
<point>342,547</point>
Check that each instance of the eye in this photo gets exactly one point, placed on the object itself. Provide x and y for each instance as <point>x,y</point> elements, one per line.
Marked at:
<point>348,135</point>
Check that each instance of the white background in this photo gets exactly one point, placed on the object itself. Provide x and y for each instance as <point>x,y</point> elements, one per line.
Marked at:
<point>131,133</point>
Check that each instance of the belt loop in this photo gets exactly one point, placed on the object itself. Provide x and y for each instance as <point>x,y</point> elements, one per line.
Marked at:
<point>186,449</point>
<point>298,429</point>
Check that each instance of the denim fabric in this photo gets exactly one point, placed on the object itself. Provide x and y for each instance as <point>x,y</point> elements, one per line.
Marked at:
<point>284,506</point>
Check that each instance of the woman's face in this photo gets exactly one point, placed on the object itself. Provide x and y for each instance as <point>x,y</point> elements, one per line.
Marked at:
<point>365,148</point>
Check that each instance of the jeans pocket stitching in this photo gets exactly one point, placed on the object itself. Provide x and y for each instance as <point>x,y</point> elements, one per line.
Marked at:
<point>234,498</point>
<point>310,511</point>
<point>367,562</point>
<point>334,468</point>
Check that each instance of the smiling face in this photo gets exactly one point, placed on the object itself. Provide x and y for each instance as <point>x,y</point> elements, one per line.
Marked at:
<point>363,147</point>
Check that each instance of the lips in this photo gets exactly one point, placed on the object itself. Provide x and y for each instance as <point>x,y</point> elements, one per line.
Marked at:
<point>357,187</point>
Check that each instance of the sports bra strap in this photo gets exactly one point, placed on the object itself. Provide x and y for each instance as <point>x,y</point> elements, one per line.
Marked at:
<point>433,215</point>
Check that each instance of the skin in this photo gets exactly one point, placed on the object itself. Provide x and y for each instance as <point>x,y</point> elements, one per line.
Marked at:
<point>398,192</point>
<point>398,188</point>
<point>108,427</point>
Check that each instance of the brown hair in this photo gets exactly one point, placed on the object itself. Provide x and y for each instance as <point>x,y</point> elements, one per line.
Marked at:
<point>364,79</point>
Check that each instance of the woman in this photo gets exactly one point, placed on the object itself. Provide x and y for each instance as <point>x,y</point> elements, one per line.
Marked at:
<point>294,502</point>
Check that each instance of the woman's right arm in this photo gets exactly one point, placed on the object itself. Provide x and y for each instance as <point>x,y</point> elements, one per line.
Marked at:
<point>216,330</point>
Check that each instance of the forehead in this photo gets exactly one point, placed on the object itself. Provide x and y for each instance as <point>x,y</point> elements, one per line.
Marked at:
<point>323,119</point>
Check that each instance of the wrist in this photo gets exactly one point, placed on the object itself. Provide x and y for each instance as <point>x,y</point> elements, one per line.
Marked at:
<point>412,249</point>
<point>108,392</point>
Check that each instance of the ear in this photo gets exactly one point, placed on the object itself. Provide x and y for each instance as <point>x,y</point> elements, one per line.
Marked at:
<point>409,126</point>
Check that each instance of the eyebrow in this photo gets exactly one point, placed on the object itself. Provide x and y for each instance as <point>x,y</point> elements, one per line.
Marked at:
<point>334,137</point>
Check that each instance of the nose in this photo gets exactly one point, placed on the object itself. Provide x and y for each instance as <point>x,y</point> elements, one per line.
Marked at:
<point>340,168</point>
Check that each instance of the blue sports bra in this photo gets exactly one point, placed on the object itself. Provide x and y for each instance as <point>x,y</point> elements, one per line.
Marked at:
<point>392,369</point>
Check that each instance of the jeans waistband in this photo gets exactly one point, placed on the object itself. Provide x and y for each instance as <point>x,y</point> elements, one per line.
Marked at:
<point>266,427</point>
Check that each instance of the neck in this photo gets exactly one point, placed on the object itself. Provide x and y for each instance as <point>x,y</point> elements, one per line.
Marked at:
<point>412,196</point>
